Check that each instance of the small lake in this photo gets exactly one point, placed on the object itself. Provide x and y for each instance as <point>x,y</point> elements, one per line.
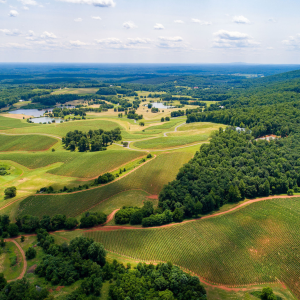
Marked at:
<point>46,119</point>
<point>159,105</point>
<point>36,112</point>
<point>30,112</point>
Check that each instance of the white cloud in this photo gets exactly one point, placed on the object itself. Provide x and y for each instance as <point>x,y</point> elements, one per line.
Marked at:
<point>110,41</point>
<point>270,48</point>
<point>78,20</point>
<point>48,35</point>
<point>2,1</point>
<point>240,20</point>
<point>201,22</point>
<point>16,46</point>
<point>179,22</point>
<point>78,43</point>
<point>159,26</point>
<point>28,2</point>
<point>13,13</point>
<point>99,3</point>
<point>293,42</point>
<point>139,41</point>
<point>233,39</point>
<point>14,32</point>
<point>129,25</point>
<point>96,18</point>
<point>25,8</point>
<point>171,39</point>
<point>272,20</point>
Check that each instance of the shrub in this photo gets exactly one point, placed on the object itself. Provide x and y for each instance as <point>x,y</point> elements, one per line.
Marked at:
<point>91,219</point>
<point>136,218</point>
<point>107,177</point>
<point>71,223</point>
<point>30,253</point>
<point>149,155</point>
<point>123,216</point>
<point>290,192</point>
<point>10,192</point>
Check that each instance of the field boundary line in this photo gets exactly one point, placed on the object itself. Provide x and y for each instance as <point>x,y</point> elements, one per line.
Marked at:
<point>98,187</point>
<point>175,129</point>
<point>112,228</point>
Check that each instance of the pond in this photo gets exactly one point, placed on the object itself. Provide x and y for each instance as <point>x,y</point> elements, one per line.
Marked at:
<point>45,119</point>
<point>160,105</point>
<point>35,112</point>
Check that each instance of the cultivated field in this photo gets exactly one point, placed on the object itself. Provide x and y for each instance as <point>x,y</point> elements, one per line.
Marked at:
<point>150,177</point>
<point>256,244</point>
<point>26,143</point>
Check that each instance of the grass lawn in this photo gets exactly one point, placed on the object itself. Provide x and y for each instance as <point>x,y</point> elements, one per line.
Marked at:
<point>26,142</point>
<point>169,142</point>
<point>253,245</point>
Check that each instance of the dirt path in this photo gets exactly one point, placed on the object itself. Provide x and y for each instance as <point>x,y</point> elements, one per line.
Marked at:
<point>111,216</point>
<point>165,134</point>
<point>111,228</point>
<point>23,257</point>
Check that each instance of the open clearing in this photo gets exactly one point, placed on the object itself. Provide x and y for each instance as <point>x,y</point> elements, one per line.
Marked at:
<point>256,244</point>
<point>26,143</point>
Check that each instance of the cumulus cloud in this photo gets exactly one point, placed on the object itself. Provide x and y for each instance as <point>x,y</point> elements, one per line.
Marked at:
<point>98,3</point>
<point>78,20</point>
<point>96,18</point>
<point>158,26</point>
<point>179,22</point>
<point>13,13</point>
<point>233,39</point>
<point>139,41</point>
<point>48,35</point>
<point>171,39</point>
<point>201,22</point>
<point>16,46</point>
<point>78,43</point>
<point>129,25</point>
<point>240,20</point>
<point>28,2</point>
<point>293,42</point>
<point>8,32</point>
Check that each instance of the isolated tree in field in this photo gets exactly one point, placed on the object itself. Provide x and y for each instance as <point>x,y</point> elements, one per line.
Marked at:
<point>142,123</point>
<point>167,118</point>
<point>125,144</point>
<point>10,192</point>
<point>30,253</point>
<point>162,119</point>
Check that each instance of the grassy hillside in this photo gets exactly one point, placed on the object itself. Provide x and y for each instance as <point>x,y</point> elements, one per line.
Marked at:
<point>61,129</point>
<point>26,142</point>
<point>151,178</point>
<point>10,123</point>
<point>76,164</point>
<point>256,244</point>
<point>169,142</point>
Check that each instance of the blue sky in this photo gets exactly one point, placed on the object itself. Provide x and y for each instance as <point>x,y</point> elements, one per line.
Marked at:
<point>150,31</point>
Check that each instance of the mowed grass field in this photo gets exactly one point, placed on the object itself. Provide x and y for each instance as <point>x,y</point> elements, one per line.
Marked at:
<point>61,129</point>
<point>26,142</point>
<point>256,244</point>
<point>150,177</point>
<point>10,123</point>
<point>76,164</point>
<point>169,142</point>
